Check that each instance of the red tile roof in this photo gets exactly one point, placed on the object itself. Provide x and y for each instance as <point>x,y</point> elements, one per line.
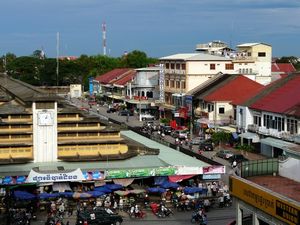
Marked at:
<point>111,75</point>
<point>125,78</point>
<point>281,96</point>
<point>236,91</point>
<point>283,67</point>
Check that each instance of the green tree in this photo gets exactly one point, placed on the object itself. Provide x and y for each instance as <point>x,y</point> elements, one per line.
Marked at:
<point>220,137</point>
<point>135,59</point>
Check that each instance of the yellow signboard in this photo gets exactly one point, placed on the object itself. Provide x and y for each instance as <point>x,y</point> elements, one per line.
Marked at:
<point>265,201</point>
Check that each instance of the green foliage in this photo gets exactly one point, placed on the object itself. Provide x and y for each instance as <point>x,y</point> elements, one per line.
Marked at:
<point>248,148</point>
<point>220,137</point>
<point>38,71</point>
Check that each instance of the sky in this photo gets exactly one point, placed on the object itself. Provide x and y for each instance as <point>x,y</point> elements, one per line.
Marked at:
<point>157,27</point>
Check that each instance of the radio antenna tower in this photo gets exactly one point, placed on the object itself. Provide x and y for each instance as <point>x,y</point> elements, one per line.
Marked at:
<point>104,37</point>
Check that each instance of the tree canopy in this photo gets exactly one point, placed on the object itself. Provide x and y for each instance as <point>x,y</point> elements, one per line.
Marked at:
<point>37,70</point>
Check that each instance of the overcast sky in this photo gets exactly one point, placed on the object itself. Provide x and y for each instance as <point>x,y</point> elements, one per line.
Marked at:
<point>157,27</point>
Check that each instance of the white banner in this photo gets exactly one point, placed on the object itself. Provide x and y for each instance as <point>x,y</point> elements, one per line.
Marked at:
<point>183,170</point>
<point>35,177</point>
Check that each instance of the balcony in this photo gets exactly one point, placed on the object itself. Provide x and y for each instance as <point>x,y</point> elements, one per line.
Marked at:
<point>15,153</point>
<point>81,151</point>
<point>68,117</point>
<point>241,59</point>
<point>78,127</point>
<point>253,128</point>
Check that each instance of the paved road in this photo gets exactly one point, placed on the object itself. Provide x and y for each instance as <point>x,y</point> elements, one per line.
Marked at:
<point>215,216</point>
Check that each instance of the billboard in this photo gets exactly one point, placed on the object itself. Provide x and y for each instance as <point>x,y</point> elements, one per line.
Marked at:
<point>273,205</point>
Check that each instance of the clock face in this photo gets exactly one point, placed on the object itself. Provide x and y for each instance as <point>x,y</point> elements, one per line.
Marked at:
<point>45,118</point>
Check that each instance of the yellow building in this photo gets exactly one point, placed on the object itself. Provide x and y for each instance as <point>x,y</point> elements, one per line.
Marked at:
<point>39,127</point>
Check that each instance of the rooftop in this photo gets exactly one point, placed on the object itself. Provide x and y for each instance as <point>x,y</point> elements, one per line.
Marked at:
<point>281,185</point>
<point>195,57</point>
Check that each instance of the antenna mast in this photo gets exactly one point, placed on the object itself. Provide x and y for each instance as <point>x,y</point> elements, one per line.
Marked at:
<point>104,37</point>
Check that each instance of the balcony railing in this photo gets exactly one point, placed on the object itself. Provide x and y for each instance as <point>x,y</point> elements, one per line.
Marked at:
<point>253,128</point>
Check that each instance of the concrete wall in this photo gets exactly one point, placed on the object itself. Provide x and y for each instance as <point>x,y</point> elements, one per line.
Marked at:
<point>290,168</point>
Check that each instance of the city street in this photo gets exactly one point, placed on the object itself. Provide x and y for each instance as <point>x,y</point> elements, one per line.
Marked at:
<point>215,216</point>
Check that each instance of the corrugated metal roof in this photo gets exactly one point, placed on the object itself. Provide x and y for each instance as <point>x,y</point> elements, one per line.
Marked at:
<point>111,75</point>
<point>283,67</point>
<point>235,91</point>
<point>280,96</point>
<point>166,154</point>
<point>195,57</point>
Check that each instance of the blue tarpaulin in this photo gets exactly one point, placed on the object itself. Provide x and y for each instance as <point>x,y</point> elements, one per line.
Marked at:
<point>24,195</point>
<point>156,190</point>
<point>95,194</point>
<point>192,190</point>
<point>168,184</point>
<point>48,195</point>
<point>113,187</point>
<point>103,189</point>
<point>67,194</point>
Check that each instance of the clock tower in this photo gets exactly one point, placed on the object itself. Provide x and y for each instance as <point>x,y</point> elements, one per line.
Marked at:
<point>44,131</point>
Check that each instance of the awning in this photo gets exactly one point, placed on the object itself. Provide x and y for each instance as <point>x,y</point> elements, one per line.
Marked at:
<point>278,143</point>
<point>227,129</point>
<point>249,135</point>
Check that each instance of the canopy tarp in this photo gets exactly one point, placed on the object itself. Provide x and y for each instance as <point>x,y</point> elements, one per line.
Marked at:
<point>67,194</point>
<point>168,184</point>
<point>24,195</point>
<point>127,192</point>
<point>95,193</point>
<point>113,187</point>
<point>192,190</point>
<point>103,189</point>
<point>46,195</point>
<point>80,195</point>
<point>156,190</point>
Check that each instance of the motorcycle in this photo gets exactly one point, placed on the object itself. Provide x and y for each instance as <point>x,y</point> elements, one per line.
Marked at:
<point>199,218</point>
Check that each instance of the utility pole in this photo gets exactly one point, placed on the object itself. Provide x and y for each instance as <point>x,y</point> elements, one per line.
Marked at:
<point>57,57</point>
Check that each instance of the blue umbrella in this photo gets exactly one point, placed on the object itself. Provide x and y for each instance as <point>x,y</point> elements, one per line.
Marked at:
<point>156,190</point>
<point>113,187</point>
<point>168,184</point>
<point>48,195</point>
<point>191,190</point>
<point>24,195</point>
<point>95,193</point>
<point>103,189</point>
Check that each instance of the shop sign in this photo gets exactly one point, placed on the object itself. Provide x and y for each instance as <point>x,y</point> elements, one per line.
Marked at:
<point>95,175</point>
<point>35,177</point>
<point>7,180</point>
<point>211,176</point>
<point>273,205</point>
<point>213,169</point>
<point>164,171</point>
<point>183,170</point>
<point>143,172</point>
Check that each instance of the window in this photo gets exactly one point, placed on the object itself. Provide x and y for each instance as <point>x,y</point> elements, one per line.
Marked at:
<point>210,107</point>
<point>212,66</point>
<point>172,83</point>
<point>177,66</point>
<point>177,84</point>
<point>261,54</point>
<point>172,66</point>
<point>249,54</point>
<point>183,84</point>
<point>167,83</point>
<point>229,66</point>
<point>183,66</point>
<point>292,126</point>
<point>167,66</point>
<point>221,110</point>
<point>257,120</point>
